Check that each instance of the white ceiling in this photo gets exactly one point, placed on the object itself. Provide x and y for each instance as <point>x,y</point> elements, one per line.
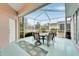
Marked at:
<point>16,6</point>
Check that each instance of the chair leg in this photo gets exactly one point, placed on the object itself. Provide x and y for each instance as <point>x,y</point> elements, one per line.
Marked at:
<point>53,41</point>
<point>37,43</point>
<point>43,41</point>
<point>47,43</point>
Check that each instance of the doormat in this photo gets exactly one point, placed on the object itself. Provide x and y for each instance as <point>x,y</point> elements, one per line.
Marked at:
<point>32,49</point>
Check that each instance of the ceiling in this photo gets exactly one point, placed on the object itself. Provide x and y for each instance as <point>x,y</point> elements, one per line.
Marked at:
<point>16,6</point>
<point>23,9</point>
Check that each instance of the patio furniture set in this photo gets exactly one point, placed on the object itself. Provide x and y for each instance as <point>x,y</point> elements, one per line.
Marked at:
<point>43,37</point>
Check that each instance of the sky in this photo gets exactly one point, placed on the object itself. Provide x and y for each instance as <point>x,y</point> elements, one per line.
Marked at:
<point>43,17</point>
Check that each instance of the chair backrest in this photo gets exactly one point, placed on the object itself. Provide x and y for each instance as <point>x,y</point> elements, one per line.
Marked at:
<point>36,36</point>
<point>50,36</point>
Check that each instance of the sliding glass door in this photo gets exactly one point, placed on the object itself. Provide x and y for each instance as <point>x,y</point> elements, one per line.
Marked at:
<point>77,26</point>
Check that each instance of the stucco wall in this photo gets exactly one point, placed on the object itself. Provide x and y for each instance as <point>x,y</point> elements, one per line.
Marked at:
<point>5,13</point>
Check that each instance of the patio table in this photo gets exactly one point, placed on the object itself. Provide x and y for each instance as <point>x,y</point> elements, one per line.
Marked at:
<point>43,35</point>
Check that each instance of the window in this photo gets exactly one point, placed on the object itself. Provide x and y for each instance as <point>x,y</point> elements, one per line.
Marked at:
<point>21,27</point>
<point>62,27</point>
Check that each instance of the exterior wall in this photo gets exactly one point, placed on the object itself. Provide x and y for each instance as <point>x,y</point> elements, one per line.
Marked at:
<point>60,34</point>
<point>5,13</point>
<point>54,27</point>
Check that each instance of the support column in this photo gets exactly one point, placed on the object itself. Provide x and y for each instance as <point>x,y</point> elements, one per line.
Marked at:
<point>65,27</point>
<point>19,27</point>
<point>34,26</point>
<point>24,26</point>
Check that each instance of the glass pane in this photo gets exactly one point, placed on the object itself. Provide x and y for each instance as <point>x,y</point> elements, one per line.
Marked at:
<point>21,34</point>
<point>21,27</point>
<point>75,33</point>
<point>78,26</point>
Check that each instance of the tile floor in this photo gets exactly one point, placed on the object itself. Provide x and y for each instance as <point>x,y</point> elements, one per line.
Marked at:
<point>62,47</point>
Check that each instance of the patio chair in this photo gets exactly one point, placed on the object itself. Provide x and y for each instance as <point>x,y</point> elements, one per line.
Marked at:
<point>37,38</point>
<point>49,38</point>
